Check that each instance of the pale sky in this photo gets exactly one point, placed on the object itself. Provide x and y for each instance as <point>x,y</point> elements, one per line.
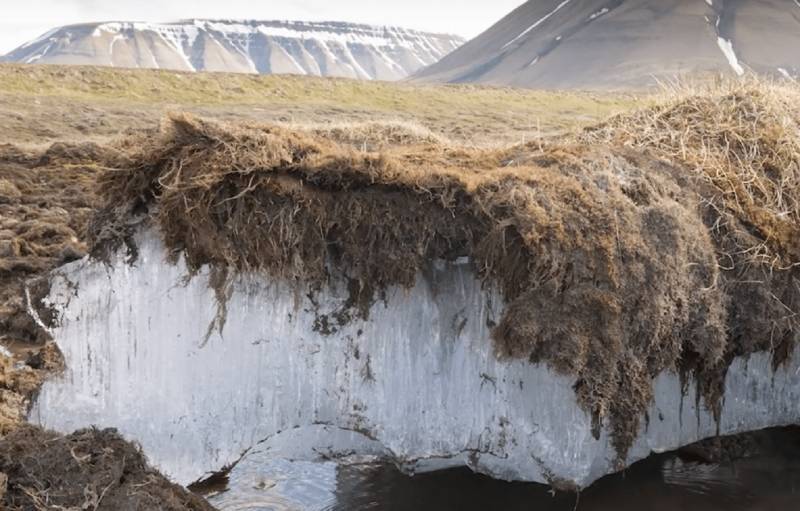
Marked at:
<point>23,20</point>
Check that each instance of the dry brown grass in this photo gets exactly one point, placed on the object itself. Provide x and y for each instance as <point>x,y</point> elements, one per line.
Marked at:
<point>375,135</point>
<point>743,138</point>
<point>46,200</point>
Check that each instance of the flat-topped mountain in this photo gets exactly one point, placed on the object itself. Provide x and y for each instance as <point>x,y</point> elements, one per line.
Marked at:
<point>310,48</point>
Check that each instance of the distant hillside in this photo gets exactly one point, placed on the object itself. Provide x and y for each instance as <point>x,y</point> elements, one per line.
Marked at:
<point>265,47</point>
<point>621,43</point>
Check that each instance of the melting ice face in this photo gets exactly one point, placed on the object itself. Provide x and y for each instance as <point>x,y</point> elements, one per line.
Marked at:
<point>417,382</point>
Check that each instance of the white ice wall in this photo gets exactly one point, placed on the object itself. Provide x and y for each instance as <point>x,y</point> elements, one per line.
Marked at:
<point>418,381</point>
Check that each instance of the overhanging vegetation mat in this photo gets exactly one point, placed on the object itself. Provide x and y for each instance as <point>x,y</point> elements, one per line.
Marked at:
<point>666,239</point>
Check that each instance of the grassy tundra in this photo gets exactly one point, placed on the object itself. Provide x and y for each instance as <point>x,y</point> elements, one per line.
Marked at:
<point>42,104</point>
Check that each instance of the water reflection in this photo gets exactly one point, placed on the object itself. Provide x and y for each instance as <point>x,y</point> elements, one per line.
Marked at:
<point>259,483</point>
<point>767,479</point>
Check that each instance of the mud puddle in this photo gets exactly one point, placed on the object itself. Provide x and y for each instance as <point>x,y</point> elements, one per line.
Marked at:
<point>765,476</point>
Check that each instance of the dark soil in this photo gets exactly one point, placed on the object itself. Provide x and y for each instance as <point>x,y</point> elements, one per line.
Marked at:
<point>89,469</point>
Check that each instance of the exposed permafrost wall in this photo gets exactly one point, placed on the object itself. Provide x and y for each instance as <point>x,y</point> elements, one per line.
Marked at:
<point>418,381</point>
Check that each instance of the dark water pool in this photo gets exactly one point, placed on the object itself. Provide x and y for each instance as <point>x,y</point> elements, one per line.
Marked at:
<point>767,478</point>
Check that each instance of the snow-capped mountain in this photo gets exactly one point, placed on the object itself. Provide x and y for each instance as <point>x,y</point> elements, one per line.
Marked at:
<point>318,48</point>
<point>619,43</point>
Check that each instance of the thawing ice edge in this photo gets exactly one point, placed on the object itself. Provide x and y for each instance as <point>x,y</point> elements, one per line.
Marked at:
<point>417,383</point>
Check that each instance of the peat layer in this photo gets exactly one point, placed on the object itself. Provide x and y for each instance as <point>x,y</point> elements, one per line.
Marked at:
<point>662,240</point>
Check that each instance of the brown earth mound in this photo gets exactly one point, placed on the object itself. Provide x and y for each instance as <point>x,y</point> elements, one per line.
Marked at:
<point>743,141</point>
<point>616,262</point>
<point>89,469</point>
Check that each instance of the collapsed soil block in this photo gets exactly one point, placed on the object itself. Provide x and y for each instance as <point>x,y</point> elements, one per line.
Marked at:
<point>668,239</point>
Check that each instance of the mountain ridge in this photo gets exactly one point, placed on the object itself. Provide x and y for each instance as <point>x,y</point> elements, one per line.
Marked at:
<point>622,43</point>
<point>326,48</point>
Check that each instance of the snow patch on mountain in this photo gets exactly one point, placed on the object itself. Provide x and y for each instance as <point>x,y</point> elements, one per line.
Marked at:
<point>727,49</point>
<point>538,22</point>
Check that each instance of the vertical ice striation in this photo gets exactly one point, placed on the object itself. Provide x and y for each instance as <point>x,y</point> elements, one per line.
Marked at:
<point>418,381</point>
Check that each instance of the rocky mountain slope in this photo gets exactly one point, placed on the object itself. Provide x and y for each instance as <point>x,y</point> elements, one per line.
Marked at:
<point>617,43</point>
<point>322,49</point>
